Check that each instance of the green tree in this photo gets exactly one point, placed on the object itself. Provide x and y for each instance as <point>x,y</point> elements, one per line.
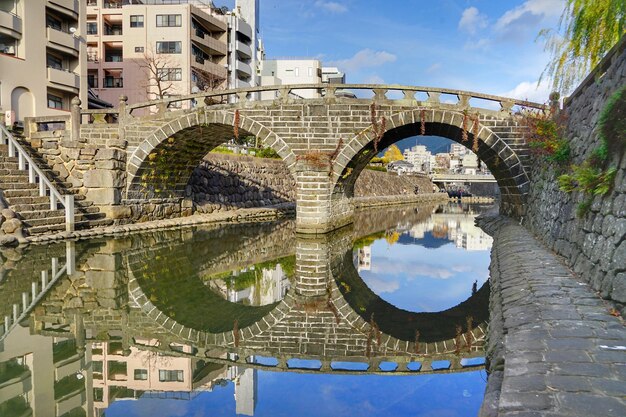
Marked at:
<point>392,154</point>
<point>586,32</point>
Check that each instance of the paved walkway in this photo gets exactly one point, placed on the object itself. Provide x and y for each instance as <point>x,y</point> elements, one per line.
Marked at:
<point>563,353</point>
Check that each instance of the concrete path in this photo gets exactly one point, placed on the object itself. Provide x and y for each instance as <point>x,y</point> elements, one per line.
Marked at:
<point>555,348</point>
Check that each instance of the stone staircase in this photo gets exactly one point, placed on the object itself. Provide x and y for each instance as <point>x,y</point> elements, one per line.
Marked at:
<point>34,211</point>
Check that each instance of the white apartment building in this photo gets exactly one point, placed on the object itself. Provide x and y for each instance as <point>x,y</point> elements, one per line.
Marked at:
<point>292,71</point>
<point>42,57</point>
<point>332,75</point>
<point>148,49</point>
<point>420,157</point>
<point>244,45</point>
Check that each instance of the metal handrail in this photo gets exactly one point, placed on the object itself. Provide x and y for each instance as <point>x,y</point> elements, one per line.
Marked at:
<point>26,163</point>
<point>39,289</point>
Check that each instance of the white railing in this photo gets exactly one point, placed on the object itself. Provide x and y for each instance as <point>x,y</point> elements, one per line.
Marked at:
<point>39,288</point>
<point>36,175</point>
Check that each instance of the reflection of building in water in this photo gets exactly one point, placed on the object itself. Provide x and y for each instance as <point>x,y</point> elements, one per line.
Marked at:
<point>48,376</point>
<point>143,373</point>
<point>41,376</point>
<point>364,258</point>
<point>457,228</point>
<point>262,286</point>
<point>246,392</point>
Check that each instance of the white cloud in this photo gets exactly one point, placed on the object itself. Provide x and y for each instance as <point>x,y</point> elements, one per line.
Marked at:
<point>391,267</point>
<point>529,90</point>
<point>365,58</point>
<point>541,8</point>
<point>472,20</point>
<point>373,79</point>
<point>380,286</point>
<point>331,6</point>
<point>433,68</point>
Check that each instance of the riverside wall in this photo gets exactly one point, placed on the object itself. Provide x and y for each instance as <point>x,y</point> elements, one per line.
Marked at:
<point>224,182</point>
<point>594,245</point>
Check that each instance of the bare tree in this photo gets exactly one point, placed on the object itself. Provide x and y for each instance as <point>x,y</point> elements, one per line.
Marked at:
<point>161,72</point>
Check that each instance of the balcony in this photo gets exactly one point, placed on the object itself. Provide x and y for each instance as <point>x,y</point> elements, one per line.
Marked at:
<point>112,82</point>
<point>67,7</point>
<point>208,44</point>
<point>10,24</point>
<point>243,68</point>
<point>92,81</point>
<point>209,67</point>
<point>243,28</point>
<point>244,50</point>
<point>64,80</point>
<point>114,58</point>
<point>63,42</point>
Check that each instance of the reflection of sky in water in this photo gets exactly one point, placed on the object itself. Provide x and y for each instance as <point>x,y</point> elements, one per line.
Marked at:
<point>431,267</point>
<point>292,394</point>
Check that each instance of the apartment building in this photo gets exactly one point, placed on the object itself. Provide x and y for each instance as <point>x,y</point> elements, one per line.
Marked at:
<point>155,48</point>
<point>244,45</point>
<point>292,71</point>
<point>43,61</point>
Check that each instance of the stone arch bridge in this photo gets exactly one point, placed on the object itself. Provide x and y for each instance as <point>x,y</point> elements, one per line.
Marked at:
<point>325,142</point>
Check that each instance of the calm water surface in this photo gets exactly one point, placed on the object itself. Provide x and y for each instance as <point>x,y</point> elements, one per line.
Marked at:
<point>386,317</point>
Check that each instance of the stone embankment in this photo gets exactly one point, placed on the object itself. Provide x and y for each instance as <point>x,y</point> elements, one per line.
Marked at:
<point>225,182</point>
<point>594,244</point>
<point>554,348</point>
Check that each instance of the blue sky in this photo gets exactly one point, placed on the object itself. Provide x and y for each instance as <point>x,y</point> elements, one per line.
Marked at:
<point>485,46</point>
<point>420,279</point>
<point>304,395</point>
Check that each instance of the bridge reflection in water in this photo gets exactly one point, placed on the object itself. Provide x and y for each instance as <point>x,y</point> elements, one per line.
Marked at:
<point>171,314</point>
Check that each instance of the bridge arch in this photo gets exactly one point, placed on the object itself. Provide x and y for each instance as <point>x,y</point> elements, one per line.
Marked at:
<point>493,151</point>
<point>161,165</point>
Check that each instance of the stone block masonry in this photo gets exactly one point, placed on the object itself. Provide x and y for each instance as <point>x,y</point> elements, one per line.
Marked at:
<point>554,349</point>
<point>163,149</point>
<point>594,245</point>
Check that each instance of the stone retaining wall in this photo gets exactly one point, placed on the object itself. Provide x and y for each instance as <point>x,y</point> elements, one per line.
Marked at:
<point>594,245</point>
<point>224,182</point>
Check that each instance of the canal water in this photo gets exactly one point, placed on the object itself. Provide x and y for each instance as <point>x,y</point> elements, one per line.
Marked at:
<point>386,317</point>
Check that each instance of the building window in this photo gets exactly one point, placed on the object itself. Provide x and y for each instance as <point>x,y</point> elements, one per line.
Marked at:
<point>310,71</point>
<point>53,22</point>
<point>172,47</point>
<point>98,394</point>
<point>54,62</point>
<point>96,366</point>
<point>139,49</point>
<point>141,374</point>
<point>170,376</point>
<point>170,74</point>
<point>297,72</point>
<point>136,21</point>
<point>55,102</point>
<point>92,28</point>
<point>169,20</point>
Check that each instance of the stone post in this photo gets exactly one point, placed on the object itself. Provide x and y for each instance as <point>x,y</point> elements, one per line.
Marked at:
<point>122,116</point>
<point>75,119</point>
<point>555,105</point>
